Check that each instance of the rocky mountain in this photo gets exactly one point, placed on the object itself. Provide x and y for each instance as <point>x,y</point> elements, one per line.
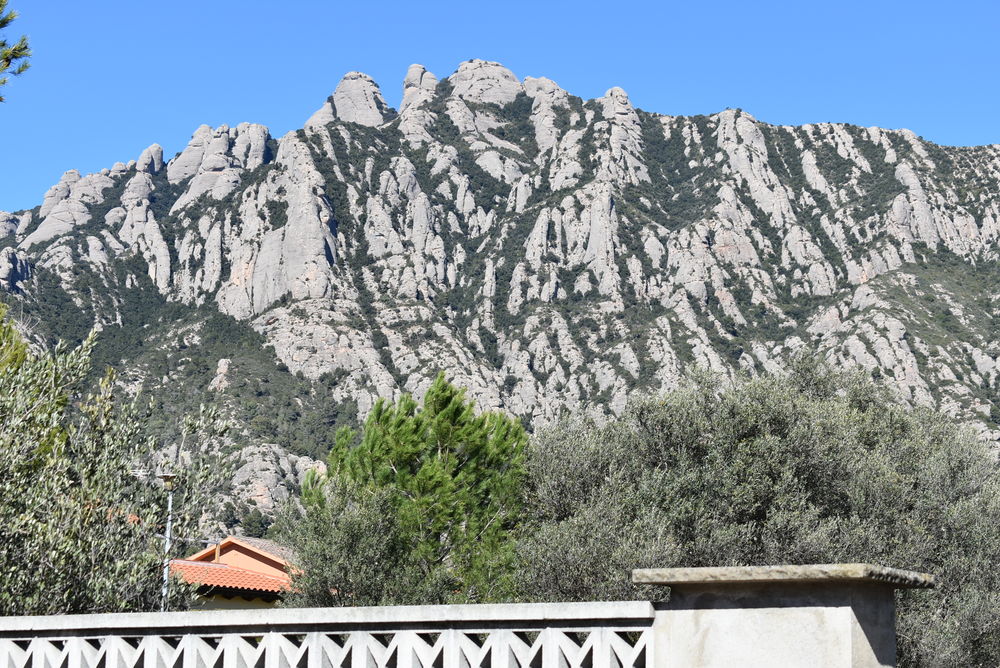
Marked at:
<point>549,253</point>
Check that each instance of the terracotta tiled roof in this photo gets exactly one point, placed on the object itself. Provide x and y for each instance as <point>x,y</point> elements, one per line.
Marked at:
<point>267,548</point>
<point>226,576</point>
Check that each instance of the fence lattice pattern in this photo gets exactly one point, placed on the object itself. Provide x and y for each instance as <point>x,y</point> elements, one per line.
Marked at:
<point>541,645</point>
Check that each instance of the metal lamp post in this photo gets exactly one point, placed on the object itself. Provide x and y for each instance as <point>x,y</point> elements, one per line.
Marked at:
<point>168,484</point>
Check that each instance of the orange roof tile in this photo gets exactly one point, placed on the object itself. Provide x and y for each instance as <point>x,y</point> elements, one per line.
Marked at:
<point>226,576</point>
<point>265,548</point>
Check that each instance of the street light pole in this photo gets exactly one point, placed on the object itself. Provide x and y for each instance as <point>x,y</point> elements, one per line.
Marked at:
<point>168,484</point>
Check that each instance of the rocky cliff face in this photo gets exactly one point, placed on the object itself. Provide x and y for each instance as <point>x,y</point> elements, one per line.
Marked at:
<point>552,254</point>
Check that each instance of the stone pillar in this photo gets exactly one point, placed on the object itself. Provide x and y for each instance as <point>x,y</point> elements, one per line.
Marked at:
<point>815,616</point>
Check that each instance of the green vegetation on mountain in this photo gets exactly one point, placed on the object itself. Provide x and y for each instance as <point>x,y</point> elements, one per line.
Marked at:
<point>175,348</point>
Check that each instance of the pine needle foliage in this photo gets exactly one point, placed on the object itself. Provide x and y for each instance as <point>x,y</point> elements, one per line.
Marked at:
<point>452,478</point>
<point>13,56</point>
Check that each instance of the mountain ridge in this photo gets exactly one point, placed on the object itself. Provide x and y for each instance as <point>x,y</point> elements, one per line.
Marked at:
<point>551,254</point>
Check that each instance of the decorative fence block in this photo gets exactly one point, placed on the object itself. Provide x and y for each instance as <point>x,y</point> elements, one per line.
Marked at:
<point>589,635</point>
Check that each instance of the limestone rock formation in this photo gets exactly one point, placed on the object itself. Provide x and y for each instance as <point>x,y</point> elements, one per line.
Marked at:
<point>8,224</point>
<point>14,269</point>
<point>150,160</point>
<point>357,99</point>
<point>267,476</point>
<point>418,87</point>
<point>484,81</point>
<point>550,253</point>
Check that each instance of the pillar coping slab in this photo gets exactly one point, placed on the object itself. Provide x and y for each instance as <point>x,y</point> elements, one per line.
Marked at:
<point>785,574</point>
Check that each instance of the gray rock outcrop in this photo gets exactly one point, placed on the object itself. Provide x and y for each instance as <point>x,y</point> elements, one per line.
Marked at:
<point>357,99</point>
<point>150,160</point>
<point>14,269</point>
<point>418,87</point>
<point>549,253</point>
<point>484,81</point>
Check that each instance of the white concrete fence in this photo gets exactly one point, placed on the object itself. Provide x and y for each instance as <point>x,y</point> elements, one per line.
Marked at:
<point>830,615</point>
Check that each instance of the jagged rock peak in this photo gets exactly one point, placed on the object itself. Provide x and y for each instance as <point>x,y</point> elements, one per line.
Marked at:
<point>358,99</point>
<point>418,87</point>
<point>218,150</point>
<point>485,81</point>
<point>186,164</point>
<point>616,100</point>
<point>14,269</point>
<point>546,95</point>
<point>322,116</point>
<point>59,191</point>
<point>8,224</point>
<point>544,87</point>
<point>150,160</point>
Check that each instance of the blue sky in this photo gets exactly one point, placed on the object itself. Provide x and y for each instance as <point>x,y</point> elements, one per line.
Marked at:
<point>113,76</point>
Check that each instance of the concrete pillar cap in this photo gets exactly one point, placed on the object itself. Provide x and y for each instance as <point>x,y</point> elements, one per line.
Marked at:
<point>785,574</point>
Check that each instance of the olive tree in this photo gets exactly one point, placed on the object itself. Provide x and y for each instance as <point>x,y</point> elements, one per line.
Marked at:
<point>79,531</point>
<point>813,466</point>
<point>351,549</point>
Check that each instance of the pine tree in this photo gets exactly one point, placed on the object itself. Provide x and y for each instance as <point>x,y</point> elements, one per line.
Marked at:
<point>453,479</point>
<point>13,57</point>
